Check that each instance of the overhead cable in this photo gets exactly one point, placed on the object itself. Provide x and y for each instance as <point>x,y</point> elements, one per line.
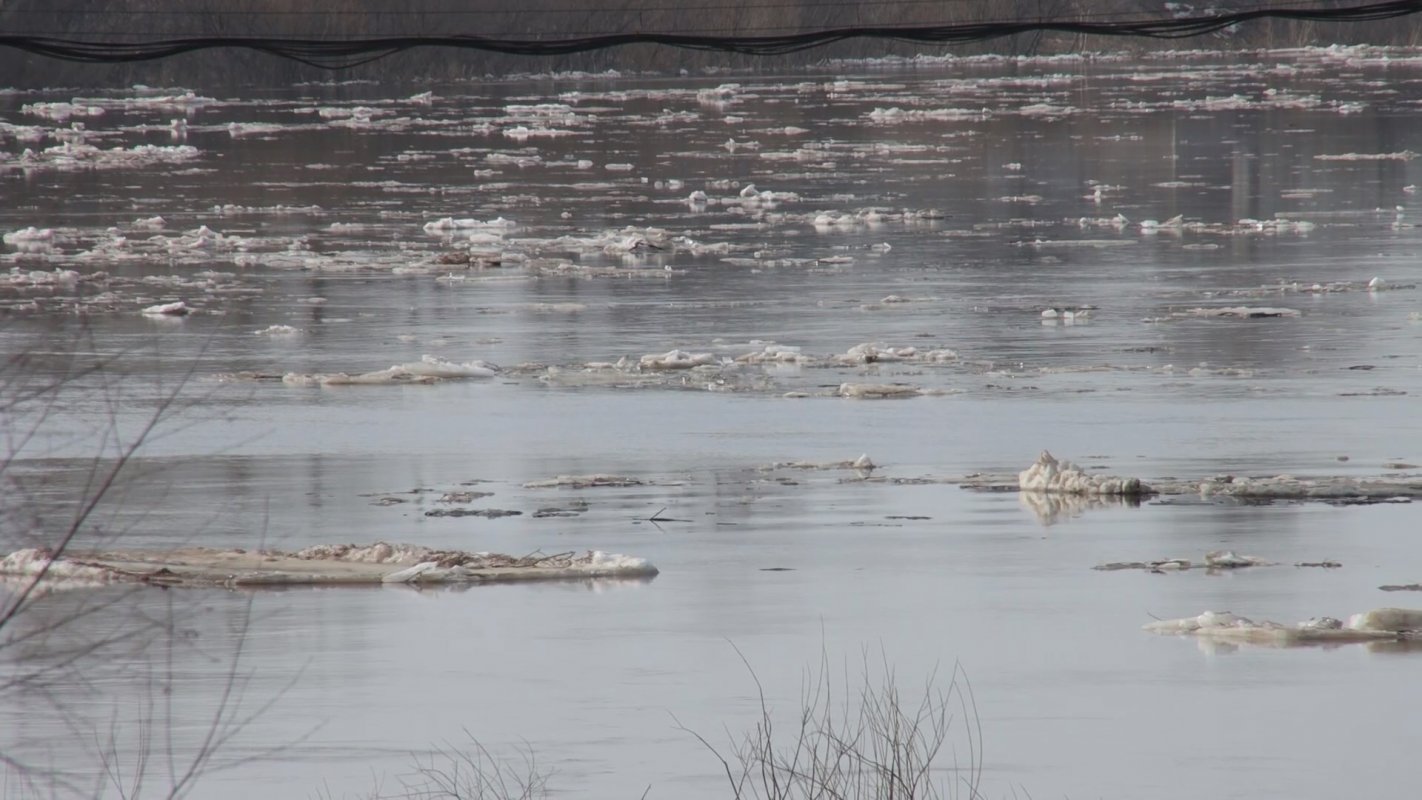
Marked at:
<point>341,53</point>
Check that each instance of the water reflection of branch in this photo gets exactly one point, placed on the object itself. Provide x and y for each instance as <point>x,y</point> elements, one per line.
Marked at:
<point>1054,507</point>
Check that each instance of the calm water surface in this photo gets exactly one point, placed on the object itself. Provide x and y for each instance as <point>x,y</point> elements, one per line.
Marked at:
<point>942,206</point>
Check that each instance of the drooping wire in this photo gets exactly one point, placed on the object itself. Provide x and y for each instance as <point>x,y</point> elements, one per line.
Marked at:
<point>342,53</point>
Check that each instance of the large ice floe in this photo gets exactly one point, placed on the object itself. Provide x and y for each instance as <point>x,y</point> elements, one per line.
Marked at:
<point>1380,624</point>
<point>1048,476</point>
<point>333,564</point>
<point>429,369</point>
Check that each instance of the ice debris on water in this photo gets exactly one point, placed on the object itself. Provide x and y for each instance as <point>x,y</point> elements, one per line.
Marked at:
<point>1380,624</point>
<point>1048,474</point>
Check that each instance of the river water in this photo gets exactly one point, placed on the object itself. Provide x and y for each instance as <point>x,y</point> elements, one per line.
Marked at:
<point>767,226</point>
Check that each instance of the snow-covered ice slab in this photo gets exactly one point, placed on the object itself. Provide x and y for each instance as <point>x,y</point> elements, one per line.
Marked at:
<point>320,565</point>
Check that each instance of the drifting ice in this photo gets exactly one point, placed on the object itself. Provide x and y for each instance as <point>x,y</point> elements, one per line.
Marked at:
<point>318,565</point>
<point>1380,624</point>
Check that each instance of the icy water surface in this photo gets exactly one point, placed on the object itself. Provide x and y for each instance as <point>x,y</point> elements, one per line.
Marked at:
<point>1178,267</point>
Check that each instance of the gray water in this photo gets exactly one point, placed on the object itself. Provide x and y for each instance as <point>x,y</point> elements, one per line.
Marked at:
<point>344,691</point>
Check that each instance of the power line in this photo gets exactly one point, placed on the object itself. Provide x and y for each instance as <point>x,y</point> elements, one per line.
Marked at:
<point>341,53</point>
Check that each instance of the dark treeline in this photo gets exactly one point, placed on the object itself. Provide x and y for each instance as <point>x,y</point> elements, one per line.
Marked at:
<point>148,20</point>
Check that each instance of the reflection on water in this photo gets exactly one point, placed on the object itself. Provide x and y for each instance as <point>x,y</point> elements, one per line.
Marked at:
<point>1052,508</point>
<point>766,242</point>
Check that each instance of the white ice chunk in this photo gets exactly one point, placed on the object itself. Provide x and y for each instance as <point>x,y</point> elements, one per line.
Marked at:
<point>174,309</point>
<point>29,235</point>
<point>676,359</point>
<point>1048,474</point>
<point>436,367</point>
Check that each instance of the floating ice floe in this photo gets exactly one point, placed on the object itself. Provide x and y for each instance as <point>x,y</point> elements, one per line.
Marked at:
<point>448,224</point>
<point>1402,155</point>
<point>863,463</point>
<point>320,565</point>
<point>1243,312</point>
<point>29,236</point>
<point>61,112</point>
<point>677,359</point>
<point>174,309</point>
<point>895,115</point>
<point>1048,474</point>
<point>878,391</point>
<point>1067,316</point>
<point>1328,489</point>
<point>71,156</point>
<point>435,367</point>
<point>874,353</point>
<point>1335,490</point>
<point>1175,223</point>
<point>36,561</point>
<point>1214,561</point>
<point>278,331</point>
<point>1380,624</point>
<point>429,369</point>
<point>775,354</point>
<point>383,377</point>
<point>56,278</point>
<point>596,481</point>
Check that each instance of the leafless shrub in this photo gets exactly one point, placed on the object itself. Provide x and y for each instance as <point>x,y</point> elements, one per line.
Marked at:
<point>858,739</point>
<point>851,738</point>
<point>56,645</point>
<point>475,773</point>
